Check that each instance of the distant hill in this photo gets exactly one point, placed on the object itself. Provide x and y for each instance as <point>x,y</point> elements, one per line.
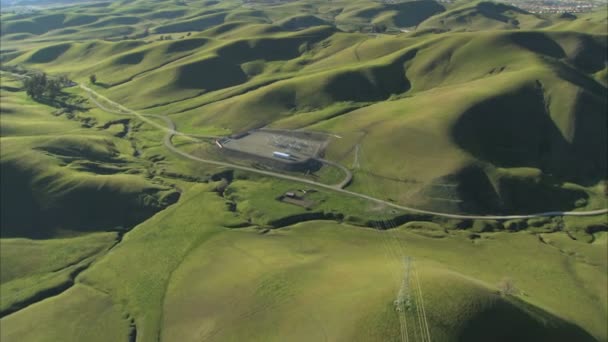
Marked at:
<point>484,15</point>
<point>13,3</point>
<point>123,219</point>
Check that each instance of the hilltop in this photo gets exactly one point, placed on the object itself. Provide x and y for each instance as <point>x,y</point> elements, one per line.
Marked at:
<point>125,218</point>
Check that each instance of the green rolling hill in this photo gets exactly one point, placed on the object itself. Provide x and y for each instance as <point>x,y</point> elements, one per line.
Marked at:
<point>467,108</point>
<point>484,15</point>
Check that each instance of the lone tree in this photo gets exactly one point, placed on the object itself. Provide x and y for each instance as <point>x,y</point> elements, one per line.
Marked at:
<point>93,79</point>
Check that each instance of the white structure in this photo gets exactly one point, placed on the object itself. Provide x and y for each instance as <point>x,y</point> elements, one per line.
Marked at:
<point>281,155</point>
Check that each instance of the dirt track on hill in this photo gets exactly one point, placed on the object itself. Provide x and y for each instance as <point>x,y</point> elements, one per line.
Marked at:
<point>171,132</point>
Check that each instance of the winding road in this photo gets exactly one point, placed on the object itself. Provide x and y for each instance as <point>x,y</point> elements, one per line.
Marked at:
<point>171,130</point>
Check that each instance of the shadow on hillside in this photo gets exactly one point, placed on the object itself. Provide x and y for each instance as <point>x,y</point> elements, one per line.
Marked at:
<point>49,54</point>
<point>516,130</point>
<point>539,43</point>
<point>512,319</point>
<point>33,208</point>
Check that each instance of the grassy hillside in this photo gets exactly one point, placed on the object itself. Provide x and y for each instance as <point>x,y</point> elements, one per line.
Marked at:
<point>402,14</point>
<point>186,286</point>
<point>35,269</point>
<point>594,22</point>
<point>242,74</point>
<point>78,307</point>
<point>484,15</point>
<point>466,107</point>
<point>58,176</point>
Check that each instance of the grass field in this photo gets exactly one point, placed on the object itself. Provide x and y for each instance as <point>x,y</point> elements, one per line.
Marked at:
<point>33,269</point>
<point>68,177</point>
<point>467,107</point>
<point>298,273</point>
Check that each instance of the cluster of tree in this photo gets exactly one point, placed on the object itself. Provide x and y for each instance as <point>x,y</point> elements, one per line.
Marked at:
<point>169,37</point>
<point>379,28</point>
<point>145,34</point>
<point>137,36</point>
<point>38,85</point>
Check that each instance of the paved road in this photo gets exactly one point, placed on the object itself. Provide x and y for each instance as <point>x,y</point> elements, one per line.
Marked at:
<point>348,175</point>
<point>171,132</point>
<point>170,128</point>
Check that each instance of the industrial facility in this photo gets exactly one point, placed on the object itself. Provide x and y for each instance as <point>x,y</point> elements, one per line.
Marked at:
<point>281,155</point>
<point>284,150</point>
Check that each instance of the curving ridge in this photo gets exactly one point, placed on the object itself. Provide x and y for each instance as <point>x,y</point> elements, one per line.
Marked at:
<point>172,131</point>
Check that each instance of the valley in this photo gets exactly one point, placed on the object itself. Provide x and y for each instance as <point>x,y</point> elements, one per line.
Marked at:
<point>303,170</point>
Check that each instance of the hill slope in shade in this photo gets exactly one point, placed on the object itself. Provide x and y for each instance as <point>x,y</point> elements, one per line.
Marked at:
<point>484,15</point>
<point>470,107</point>
<point>57,181</point>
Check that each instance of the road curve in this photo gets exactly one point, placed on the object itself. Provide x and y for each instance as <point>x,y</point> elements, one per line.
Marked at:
<point>348,174</point>
<point>171,132</point>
